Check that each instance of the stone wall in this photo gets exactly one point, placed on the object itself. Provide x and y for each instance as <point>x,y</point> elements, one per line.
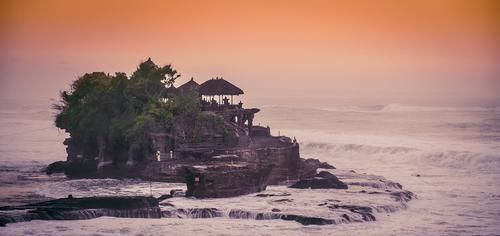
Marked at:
<point>284,161</point>
<point>216,181</point>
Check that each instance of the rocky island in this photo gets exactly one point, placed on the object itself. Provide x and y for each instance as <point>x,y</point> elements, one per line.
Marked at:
<point>195,133</point>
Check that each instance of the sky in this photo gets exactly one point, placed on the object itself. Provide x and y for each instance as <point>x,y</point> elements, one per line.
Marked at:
<point>388,51</point>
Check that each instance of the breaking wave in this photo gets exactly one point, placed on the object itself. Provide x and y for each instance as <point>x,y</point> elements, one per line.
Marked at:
<point>393,107</point>
<point>478,159</point>
<point>407,108</point>
<point>355,148</point>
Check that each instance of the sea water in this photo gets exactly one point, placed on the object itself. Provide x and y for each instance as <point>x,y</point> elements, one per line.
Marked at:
<point>448,156</point>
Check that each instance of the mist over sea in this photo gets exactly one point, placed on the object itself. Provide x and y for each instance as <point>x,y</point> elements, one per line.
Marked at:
<point>449,156</point>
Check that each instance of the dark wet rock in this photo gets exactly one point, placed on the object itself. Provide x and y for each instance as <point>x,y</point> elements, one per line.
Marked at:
<point>173,193</point>
<point>283,200</point>
<point>4,220</point>
<point>392,184</point>
<point>372,192</point>
<point>326,175</point>
<point>197,213</point>
<point>218,181</point>
<point>399,196</point>
<point>305,220</point>
<point>56,167</point>
<point>164,197</point>
<point>267,216</point>
<point>318,164</point>
<point>192,213</point>
<point>404,196</point>
<point>124,202</point>
<point>285,161</point>
<point>322,180</point>
<point>240,214</point>
<point>273,195</point>
<point>325,165</point>
<point>276,210</point>
<point>177,192</point>
<point>333,200</point>
<point>166,204</point>
<point>379,184</point>
<point>82,208</point>
<point>365,212</point>
<point>78,168</point>
<point>308,167</point>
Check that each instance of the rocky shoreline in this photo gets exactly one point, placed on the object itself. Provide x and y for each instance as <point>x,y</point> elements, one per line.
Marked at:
<point>310,206</point>
<point>275,160</point>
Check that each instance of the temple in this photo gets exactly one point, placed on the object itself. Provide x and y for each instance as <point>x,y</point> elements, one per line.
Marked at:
<point>244,158</point>
<point>217,97</point>
<point>200,134</point>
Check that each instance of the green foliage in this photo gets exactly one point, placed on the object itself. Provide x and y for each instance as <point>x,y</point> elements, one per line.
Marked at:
<point>148,81</point>
<point>112,114</point>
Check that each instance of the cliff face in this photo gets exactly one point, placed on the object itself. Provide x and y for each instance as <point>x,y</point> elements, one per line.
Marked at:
<point>222,180</point>
<point>233,172</point>
<point>284,162</point>
<point>250,170</point>
<point>226,157</point>
<point>211,172</point>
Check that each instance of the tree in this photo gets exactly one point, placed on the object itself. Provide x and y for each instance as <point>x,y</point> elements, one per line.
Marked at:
<point>149,80</point>
<point>109,117</point>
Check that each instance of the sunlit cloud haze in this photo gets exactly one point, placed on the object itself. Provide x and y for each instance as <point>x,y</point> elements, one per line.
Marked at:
<point>334,50</point>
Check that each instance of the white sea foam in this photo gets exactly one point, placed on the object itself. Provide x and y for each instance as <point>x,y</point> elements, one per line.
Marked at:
<point>396,107</point>
<point>445,157</point>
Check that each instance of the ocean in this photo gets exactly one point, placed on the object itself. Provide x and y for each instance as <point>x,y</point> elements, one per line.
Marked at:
<point>449,157</point>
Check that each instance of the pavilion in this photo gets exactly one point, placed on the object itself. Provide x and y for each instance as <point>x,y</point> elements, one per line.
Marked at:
<point>214,95</point>
<point>221,88</point>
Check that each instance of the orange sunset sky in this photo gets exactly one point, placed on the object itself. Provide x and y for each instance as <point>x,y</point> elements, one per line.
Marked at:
<point>335,49</point>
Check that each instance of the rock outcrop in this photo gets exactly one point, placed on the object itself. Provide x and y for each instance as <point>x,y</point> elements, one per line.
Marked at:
<point>82,208</point>
<point>217,181</point>
<point>323,179</point>
<point>318,164</point>
<point>374,195</point>
<point>227,137</point>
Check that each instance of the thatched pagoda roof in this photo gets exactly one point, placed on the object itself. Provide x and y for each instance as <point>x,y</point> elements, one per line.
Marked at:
<point>219,86</point>
<point>189,86</point>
